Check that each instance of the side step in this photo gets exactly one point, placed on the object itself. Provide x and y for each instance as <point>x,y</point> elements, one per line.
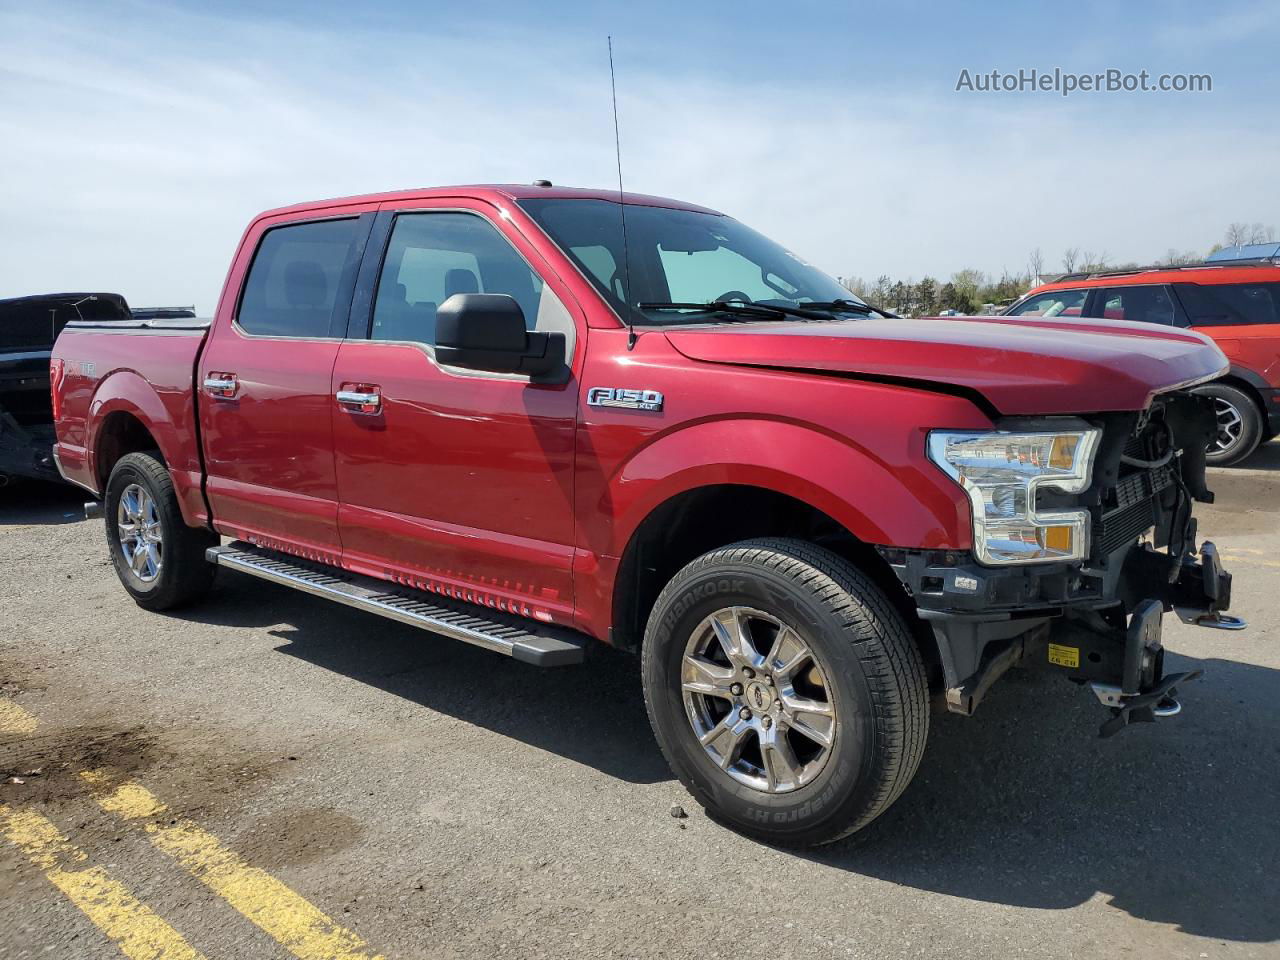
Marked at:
<point>543,646</point>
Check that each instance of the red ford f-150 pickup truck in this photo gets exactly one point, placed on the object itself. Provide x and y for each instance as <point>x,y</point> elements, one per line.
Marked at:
<point>533,417</point>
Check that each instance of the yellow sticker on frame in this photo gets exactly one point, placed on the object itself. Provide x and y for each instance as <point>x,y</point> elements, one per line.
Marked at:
<point>1064,656</point>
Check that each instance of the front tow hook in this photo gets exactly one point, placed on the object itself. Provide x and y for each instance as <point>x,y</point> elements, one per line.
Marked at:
<point>1143,695</point>
<point>1216,588</point>
<point>1157,702</point>
<point>1217,621</point>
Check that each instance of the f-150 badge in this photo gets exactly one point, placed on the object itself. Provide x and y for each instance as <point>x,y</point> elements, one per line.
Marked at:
<point>625,398</point>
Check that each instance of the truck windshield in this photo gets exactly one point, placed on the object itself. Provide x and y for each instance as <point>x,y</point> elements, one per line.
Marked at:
<point>686,265</point>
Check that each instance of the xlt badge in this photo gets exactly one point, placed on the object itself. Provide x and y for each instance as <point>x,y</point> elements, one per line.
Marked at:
<point>625,397</point>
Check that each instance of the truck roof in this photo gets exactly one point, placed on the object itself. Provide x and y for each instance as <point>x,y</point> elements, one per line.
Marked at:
<point>494,193</point>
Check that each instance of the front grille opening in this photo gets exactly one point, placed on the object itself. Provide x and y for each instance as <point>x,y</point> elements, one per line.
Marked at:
<point>1137,504</point>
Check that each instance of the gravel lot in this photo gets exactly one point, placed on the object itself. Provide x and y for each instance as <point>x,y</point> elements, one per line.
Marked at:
<point>434,800</point>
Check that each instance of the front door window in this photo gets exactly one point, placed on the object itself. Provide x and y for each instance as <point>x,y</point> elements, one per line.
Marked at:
<point>433,256</point>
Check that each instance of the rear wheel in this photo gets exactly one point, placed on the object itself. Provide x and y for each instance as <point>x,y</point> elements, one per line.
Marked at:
<point>785,691</point>
<point>158,558</point>
<point>1239,426</point>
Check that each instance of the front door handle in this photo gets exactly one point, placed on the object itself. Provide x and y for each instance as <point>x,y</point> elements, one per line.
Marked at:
<point>221,385</point>
<point>360,397</point>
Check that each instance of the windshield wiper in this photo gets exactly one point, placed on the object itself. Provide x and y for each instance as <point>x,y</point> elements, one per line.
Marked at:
<point>771,310</point>
<point>850,306</point>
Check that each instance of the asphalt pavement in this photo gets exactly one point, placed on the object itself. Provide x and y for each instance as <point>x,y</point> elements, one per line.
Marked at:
<point>269,775</point>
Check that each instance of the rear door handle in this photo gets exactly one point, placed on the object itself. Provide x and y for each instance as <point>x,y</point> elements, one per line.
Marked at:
<point>221,385</point>
<point>360,397</point>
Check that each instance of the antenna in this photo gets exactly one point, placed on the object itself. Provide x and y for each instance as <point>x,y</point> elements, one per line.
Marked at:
<point>622,206</point>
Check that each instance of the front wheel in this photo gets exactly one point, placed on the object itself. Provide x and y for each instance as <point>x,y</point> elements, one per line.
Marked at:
<point>785,690</point>
<point>159,559</point>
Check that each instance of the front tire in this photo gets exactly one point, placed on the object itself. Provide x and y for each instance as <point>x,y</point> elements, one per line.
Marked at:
<point>158,558</point>
<point>1239,424</point>
<point>846,726</point>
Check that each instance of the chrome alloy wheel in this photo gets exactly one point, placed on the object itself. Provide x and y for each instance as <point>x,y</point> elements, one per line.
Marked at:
<point>138,524</point>
<point>767,719</point>
<point>1230,427</point>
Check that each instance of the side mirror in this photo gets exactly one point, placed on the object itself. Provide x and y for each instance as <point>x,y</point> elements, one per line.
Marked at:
<point>486,331</point>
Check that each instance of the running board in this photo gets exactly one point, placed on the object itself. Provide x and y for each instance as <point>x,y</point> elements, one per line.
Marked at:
<point>542,646</point>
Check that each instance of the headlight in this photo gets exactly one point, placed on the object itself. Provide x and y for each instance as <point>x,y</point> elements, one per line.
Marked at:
<point>1001,471</point>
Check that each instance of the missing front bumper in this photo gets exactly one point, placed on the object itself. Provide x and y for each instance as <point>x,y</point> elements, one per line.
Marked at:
<point>1120,657</point>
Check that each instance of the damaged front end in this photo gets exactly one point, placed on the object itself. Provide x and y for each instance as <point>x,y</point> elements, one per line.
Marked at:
<point>1084,538</point>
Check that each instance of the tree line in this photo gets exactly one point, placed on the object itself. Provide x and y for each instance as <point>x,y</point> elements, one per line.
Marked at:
<point>969,290</point>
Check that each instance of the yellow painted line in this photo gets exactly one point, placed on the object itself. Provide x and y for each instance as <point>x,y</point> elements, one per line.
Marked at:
<point>14,720</point>
<point>132,926</point>
<point>284,915</point>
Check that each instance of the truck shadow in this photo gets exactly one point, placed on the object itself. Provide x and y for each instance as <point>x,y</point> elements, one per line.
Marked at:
<point>1175,823</point>
<point>593,714</point>
<point>32,502</point>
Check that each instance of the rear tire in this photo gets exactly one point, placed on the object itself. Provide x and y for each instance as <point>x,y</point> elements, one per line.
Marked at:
<point>760,767</point>
<point>1240,424</point>
<point>158,558</point>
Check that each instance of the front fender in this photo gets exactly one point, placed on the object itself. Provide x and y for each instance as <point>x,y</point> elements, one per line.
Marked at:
<point>894,498</point>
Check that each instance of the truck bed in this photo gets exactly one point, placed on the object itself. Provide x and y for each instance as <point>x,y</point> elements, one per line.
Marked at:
<point>101,362</point>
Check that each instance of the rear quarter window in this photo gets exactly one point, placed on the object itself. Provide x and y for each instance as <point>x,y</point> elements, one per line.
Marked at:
<point>1229,304</point>
<point>293,283</point>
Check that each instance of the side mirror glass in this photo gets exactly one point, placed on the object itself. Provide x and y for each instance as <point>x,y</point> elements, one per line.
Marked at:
<point>486,331</point>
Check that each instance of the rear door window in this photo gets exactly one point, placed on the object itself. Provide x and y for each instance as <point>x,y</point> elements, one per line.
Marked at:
<point>1057,303</point>
<point>1229,304</point>
<point>1149,303</point>
<point>292,287</point>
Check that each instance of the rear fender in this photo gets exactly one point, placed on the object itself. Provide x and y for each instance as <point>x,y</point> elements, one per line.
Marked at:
<point>126,392</point>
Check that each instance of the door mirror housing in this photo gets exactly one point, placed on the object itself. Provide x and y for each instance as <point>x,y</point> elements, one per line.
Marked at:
<point>486,331</point>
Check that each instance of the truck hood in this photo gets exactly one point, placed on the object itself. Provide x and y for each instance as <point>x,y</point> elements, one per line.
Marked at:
<point>1021,366</point>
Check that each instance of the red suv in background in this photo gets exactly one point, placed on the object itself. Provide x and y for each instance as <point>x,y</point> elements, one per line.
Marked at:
<point>1235,303</point>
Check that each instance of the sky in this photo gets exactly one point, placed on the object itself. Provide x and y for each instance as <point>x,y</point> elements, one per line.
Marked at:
<point>139,138</point>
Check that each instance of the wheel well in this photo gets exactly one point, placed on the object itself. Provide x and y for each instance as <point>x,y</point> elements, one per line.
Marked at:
<point>693,523</point>
<point>121,433</point>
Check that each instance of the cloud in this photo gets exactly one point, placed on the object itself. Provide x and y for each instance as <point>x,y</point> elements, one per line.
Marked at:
<point>1216,26</point>
<point>141,141</point>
